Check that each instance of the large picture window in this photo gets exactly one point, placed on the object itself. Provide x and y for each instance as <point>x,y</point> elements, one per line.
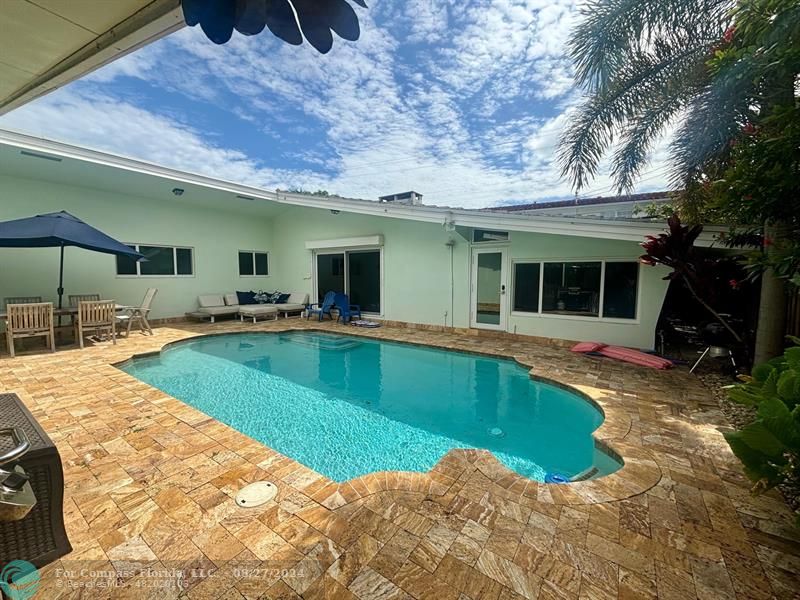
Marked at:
<point>162,261</point>
<point>572,288</point>
<point>602,289</point>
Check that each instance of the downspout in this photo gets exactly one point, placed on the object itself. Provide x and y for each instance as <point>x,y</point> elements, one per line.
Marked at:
<point>452,284</point>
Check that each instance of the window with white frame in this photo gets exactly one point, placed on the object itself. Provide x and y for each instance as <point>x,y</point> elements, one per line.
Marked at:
<point>603,289</point>
<point>162,261</point>
<point>253,263</point>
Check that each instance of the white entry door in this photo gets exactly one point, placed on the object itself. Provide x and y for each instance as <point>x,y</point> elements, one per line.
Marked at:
<point>489,301</point>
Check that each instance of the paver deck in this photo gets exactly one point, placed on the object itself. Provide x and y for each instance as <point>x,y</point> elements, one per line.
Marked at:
<point>150,481</point>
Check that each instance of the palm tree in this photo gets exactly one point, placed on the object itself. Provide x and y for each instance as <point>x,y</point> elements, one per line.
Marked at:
<point>642,64</point>
<point>711,68</point>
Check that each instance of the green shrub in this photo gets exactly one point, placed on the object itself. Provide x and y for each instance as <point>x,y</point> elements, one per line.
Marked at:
<point>769,447</point>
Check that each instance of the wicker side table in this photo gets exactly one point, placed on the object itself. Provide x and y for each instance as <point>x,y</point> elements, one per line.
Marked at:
<point>40,537</point>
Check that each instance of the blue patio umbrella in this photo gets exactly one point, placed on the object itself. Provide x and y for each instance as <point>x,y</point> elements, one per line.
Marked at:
<point>57,230</point>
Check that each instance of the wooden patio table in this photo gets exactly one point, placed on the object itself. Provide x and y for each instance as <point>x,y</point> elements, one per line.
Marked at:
<point>71,311</point>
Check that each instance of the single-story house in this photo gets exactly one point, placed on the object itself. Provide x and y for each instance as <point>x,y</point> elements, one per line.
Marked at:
<point>572,278</point>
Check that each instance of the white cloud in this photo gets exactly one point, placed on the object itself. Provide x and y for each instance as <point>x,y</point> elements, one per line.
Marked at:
<point>457,122</point>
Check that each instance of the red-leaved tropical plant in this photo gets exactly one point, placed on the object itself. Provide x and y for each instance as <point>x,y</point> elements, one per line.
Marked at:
<point>676,250</point>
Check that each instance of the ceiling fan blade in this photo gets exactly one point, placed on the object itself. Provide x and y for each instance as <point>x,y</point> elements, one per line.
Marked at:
<point>282,23</point>
<point>193,11</point>
<point>314,23</point>
<point>251,16</point>
<point>289,20</point>
<point>343,20</point>
<point>218,20</point>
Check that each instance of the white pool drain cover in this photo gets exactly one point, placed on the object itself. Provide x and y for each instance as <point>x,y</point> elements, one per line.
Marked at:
<point>496,432</point>
<point>256,494</point>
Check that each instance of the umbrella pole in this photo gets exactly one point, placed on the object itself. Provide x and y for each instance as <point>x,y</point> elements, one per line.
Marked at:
<point>60,283</point>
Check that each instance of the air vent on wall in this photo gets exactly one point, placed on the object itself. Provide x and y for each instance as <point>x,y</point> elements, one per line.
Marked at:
<point>42,156</point>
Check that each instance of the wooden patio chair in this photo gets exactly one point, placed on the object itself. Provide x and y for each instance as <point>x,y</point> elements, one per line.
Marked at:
<point>139,313</point>
<point>21,300</point>
<point>75,299</point>
<point>29,320</point>
<point>97,316</point>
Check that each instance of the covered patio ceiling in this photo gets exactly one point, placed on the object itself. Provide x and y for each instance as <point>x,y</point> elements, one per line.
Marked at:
<point>45,44</point>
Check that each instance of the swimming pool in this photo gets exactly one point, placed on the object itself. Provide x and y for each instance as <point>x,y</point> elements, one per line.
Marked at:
<point>347,406</point>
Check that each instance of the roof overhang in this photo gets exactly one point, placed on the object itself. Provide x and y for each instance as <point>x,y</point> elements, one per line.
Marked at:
<point>49,43</point>
<point>73,157</point>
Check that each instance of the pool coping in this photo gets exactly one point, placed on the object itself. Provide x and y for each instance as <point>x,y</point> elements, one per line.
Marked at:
<point>638,473</point>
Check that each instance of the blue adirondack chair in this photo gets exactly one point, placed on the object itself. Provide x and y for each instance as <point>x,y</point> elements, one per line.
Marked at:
<point>346,310</point>
<point>322,309</point>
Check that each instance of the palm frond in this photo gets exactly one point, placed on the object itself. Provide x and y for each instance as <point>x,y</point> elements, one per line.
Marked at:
<point>638,138</point>
<point>612,31</point>
<point>715,116</point>
<point>590,132</point>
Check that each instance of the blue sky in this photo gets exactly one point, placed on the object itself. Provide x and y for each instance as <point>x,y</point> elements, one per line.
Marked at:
<point>460,100</point>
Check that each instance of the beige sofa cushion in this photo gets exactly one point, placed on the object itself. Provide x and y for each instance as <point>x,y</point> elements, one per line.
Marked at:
<point>297,298</point>
<point>290,307</point>
<point>231,300</point>
<point>209,300</point>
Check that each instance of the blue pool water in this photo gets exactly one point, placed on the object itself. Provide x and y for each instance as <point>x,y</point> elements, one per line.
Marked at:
<point>348,406</point>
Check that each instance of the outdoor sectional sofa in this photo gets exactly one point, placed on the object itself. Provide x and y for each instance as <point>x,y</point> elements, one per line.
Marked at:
<point>211,306</point>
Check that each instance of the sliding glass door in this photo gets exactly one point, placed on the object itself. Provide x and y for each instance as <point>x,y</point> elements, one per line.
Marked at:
<point>357,273</point>
<point>364,279</point>
<point>330,274</point>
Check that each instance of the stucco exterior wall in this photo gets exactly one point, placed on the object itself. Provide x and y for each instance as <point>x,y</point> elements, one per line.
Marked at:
<point>417,273</point>
<point>424,280</point>
<point>215,236</point>
<point>638,332</point>
<point>416,262</point>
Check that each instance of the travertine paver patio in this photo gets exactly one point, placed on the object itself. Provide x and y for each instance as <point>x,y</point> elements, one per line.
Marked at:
<point>150,480</point>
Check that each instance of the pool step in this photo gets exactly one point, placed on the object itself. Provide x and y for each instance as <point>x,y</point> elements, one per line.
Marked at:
<point>321,341</point>
<point>586,474</point>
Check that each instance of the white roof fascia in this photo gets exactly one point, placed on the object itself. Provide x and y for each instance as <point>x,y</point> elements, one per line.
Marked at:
<point>483,219</point>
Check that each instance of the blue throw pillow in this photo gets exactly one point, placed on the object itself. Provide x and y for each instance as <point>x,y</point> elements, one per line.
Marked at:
<point>282,299</point>
<point>275,297</point>
<point>246,297</point>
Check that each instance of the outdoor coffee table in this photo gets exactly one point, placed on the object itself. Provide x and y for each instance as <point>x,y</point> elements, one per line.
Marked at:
<point>253,311</point>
